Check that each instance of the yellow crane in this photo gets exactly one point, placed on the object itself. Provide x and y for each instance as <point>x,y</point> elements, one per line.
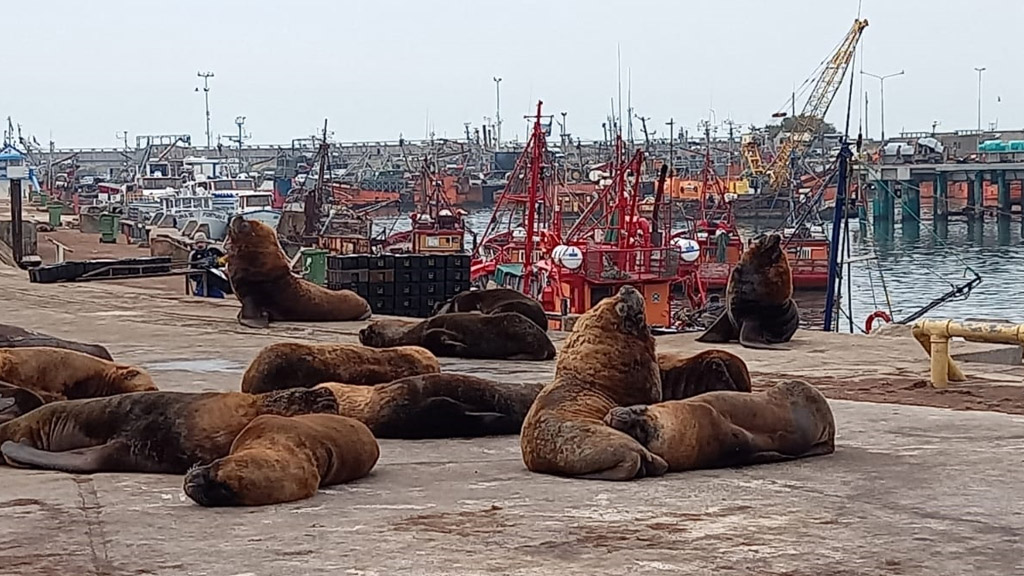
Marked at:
<point>825,88</point>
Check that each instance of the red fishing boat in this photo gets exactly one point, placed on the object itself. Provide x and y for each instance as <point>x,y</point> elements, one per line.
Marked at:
<point>437,226</point>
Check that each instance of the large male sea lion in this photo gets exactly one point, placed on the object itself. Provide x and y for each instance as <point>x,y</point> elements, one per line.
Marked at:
<point>277,459</point>
<point>504,336</point>
<point>760,311</point>
<point>295,365</point>
<point>495,301</point>
<point>719,429</point>
<point>442,405</point>
<point>58,374</point>
<point>155,432</point>
<point>608,360</point>
<point>707,371</point>
<point>262,280</point>
<point>17,337</point>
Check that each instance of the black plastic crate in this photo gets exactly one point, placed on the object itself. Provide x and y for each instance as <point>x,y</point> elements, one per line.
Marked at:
<point>457,261</point>
<point>382,290</point>
<point>431,275</point>
<point>453,288</point>
<point>432,261</point>
<point>407,275</point>
<point>334,262</point>
<point>407,305</point>
<point>407,262</point>
<point>362,288</point>
<point>407,289</point>
<point>382,305</point>
<point>435,289</point>
<point>381,276</point>
<point>383,262</point>
<point>427,304</point>
<point>452,275</point>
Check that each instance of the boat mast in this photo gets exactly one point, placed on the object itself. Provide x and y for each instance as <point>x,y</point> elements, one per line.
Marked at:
<point>536,157</point>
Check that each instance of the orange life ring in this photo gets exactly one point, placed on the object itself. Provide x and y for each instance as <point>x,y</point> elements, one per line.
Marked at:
<point>877,314</point>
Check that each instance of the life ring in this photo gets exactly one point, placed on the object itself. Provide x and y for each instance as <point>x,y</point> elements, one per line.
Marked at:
<point>876,315</point>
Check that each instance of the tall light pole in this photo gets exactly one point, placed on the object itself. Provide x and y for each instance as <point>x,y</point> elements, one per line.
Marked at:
<point>881,88</point>
<point>206,93</point>
<point>497,109</point>
<point>979,71</point>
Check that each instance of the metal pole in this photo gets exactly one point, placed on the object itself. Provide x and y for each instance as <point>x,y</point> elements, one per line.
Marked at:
<point>497,109</point>
<point>206,94</point>
<point>881,82</point>
<point>833,257</point>
<point>16,241</point>
<point>979,71</point>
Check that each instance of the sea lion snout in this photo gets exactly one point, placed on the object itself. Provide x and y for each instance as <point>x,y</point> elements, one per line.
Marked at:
<point>630,308</point>
<point>202,486</point>
<point>238,225</point>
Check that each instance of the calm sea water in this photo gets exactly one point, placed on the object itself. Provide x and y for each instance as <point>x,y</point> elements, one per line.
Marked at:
<point>915,269</point>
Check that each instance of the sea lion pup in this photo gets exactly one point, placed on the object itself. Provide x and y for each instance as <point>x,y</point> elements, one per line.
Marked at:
<point>277,459</point>
<point>719,429</point>
<point>294,365</point>
<point>608,360</point>
<point>262,279</point>
<point>442,405</point>
<point>504,336</point>
<point>17,337</point>
<point>495,301</point>
<point>707,371</point>
<point>760,311</point>
<point>153,432</point>
<point>58,374</point>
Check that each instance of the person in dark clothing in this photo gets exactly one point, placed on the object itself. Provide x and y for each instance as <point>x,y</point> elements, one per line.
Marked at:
<point>204,256</point>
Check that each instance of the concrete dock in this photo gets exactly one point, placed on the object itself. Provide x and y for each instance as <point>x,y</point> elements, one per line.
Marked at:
<point>910,490</point>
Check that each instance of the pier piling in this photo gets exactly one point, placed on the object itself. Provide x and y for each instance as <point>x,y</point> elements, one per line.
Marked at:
<point>910,214</point>
<point>940,202</point>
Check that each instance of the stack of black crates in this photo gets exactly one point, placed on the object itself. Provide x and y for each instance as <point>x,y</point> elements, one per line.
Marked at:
<point>400,284</point>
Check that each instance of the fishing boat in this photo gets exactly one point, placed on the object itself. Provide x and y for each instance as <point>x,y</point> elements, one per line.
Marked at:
<point>437,227</point>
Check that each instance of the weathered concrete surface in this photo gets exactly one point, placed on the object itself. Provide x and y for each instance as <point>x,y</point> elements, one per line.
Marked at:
<point>910,490</point>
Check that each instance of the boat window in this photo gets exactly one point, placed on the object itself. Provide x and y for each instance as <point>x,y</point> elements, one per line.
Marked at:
<point>257,201</point>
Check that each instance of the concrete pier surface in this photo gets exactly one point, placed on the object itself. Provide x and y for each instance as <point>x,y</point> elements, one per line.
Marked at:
<point>910,489</point>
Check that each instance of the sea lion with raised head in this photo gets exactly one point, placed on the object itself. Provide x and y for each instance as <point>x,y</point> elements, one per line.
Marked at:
<point>684,376</point>
<point>495,301</point>
<point>153,432</point>
<point>278,459</point>
<point>442,405</point>
<point>262,280</point>
<point>759,307</point>
<point>296,365</point>
<point>17,337</point>
<point>719,429</point>
<point>58,374</point>
<point>607,361</point>
<point>504,336</point>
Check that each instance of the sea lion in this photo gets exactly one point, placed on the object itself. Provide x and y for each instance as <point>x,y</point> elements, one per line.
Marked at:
<point>686,376</point>
<point>295,365</point>
<point>495,301</point>
<point>719,429</point>
<point>154,432</point>
<point>608,360</point>
<point>277,459</point>
<point>504,336</point>
<point>442,405</point>
<point>760,311</point>
<point>262,279</point>
<point>17,337</point>
<point>59,374</point>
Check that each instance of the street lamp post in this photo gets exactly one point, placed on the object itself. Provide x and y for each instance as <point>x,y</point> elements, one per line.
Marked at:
<point>497,110</point>
<point>979,71</point>
<point>206,93</point>
<point>881,89</point>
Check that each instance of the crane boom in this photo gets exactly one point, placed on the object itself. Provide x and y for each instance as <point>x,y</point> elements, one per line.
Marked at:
<point>817,105</point>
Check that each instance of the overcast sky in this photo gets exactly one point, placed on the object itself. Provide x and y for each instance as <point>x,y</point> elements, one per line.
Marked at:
<point>84,70</point>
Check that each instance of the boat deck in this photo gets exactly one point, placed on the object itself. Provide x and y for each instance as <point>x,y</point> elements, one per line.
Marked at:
<point>911,489</point>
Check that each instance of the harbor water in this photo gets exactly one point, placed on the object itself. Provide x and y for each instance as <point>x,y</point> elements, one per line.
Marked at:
<point>912,269</point>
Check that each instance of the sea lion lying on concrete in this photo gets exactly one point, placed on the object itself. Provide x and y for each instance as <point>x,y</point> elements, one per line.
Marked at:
<point>295,365</point>
<point>608,360</point>
<point>707,371</point>
<point>262,279</point>
<point>16,337</point>
<point>719,429</point>
<point>58,374</point>
<point>495,301</point>
<point>504,336</point>
<point>760,311</point>
<point>442,405</point>
<point>154,432</point>
<point>277,459</point>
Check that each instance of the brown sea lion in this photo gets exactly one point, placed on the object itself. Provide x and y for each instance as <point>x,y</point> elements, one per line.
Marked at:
<point>295,365</point>
<point>154,432</point>
<point>719,429</point>
<point>262,280</point>
<point>685,376</point>
<point>58,374</point>
<point>16,337</point>
<point>495,301</point>
<point>277,459</point>
<point>608,360</point>
<point>442,405</point>
<point>504,336</point>
<point>760,311</point>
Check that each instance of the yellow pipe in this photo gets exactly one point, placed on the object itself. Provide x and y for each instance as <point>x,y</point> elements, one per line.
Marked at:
<point>934,335</point>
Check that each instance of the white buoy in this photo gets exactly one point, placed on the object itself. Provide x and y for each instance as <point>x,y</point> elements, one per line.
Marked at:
<point>569,257</point>
<point>689,248</point>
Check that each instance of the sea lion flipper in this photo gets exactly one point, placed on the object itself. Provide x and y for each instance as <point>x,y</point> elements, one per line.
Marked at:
<point>442,339</point>
<point>16,401</point>
<point>752,336</point>
<point>252,316</point>
<point>722,330</point>
<point>102,458</point>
